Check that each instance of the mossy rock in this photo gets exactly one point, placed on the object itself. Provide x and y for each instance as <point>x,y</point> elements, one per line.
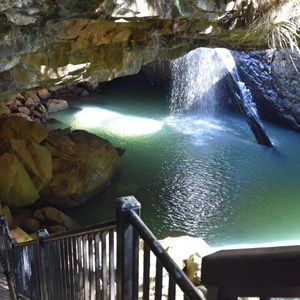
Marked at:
<point>17,127</point>
<point>16,186</point>
<point>36,159</point>
<point>83,164</point>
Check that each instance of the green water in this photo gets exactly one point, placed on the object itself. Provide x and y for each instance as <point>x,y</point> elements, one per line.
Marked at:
<point>199,175</point>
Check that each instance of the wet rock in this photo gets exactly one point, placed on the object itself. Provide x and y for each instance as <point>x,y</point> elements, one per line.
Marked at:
<point>274,82</point>
<point>43,94</point>
<point>24,110</point>
<point>54,105</point>
<point>50,216</point>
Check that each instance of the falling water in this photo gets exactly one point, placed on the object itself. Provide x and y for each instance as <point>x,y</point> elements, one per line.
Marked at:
<point>228,61</point>
<point>194,77</point>
<point>244,98</point>
<point>195,87</point>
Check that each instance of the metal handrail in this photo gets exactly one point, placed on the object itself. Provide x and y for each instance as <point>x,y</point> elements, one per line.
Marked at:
<point>80,264</point>
<point>167,262</point>
<point>109,225</point>
<point>130,228</point>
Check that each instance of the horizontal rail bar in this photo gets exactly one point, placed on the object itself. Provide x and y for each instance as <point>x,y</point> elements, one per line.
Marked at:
<point>107,226</point>
<point>168,263</point>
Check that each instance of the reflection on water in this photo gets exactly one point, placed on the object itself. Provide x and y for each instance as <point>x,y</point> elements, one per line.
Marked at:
<point>201,176</point>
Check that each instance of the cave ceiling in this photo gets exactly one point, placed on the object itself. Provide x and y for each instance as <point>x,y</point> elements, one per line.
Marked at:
<point>45,43</point>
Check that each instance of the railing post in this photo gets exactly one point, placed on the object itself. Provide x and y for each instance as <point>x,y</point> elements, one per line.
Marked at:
<point>127,249</point>
<point>40,252</point>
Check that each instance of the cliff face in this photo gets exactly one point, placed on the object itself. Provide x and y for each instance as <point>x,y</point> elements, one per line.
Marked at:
<point>273,78</point>
<point>47,42</point>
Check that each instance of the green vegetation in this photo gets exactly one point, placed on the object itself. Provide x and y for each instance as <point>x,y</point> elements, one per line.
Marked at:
<point>277,22</point>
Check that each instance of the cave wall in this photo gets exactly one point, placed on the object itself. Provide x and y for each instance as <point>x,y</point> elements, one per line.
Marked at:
<point>46,42</point>
<point>273,78</point>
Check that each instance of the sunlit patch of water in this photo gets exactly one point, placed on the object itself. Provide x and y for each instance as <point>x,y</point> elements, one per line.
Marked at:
<point>115,123</point>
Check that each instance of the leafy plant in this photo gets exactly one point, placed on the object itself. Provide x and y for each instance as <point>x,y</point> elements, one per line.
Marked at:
<point>277,22</point>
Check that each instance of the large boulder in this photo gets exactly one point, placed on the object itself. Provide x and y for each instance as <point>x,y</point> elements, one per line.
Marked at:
<point>16,186</point>
<point>36,159</point>
<point>26,166</point>
<point>54,105</point>
<point>17,127</point>
<point>60,167</point>
<point>83,164</point>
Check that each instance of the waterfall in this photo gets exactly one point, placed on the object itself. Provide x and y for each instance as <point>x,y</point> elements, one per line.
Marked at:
<point>244,97</point>
<point>229,63</point>
<point>194,78</point>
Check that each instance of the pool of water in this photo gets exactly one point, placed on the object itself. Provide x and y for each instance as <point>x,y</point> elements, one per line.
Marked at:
<point>194,174</point>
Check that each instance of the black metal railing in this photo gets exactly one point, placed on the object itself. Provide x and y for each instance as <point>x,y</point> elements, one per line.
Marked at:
<point>135,279</point>
<point>104,261</point>
<point>74,265</point>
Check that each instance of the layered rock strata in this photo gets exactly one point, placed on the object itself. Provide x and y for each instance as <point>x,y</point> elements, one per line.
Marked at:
<point>45,42</point>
